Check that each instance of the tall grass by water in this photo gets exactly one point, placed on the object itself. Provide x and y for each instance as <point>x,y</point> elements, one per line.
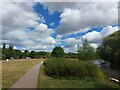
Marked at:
<point>72,69</point>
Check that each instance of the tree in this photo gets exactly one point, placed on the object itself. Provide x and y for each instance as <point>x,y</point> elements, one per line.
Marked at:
<point>10,51</point>
<point>32,54</point>
<point>26,53</point>
<point>86,52</point>
<point>48,55</point>
<point>4,46</point>
<point>58,52</point>
<point>71,55</point>
<point>42,54</point>
<point>4,51</point>
<point>3,57</point>
<point>16,53</point>
<point>110,49</point>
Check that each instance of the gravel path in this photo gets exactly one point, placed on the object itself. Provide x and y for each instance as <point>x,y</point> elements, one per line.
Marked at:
<point>30,79</point>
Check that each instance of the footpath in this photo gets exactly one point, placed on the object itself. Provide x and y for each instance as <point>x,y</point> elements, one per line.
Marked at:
<point>29,79</point>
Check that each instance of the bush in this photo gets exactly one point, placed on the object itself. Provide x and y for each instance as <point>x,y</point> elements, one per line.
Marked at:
<point>72,69</point>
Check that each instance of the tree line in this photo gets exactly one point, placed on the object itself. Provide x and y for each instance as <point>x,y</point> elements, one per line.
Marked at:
<point>9,52</point>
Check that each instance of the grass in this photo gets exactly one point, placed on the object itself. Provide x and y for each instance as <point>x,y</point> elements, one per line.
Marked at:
<point>45,81</point>
<point>13,70</point>
<point>57,67</point>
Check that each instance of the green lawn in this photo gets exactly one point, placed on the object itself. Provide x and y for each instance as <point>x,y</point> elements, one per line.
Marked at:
<point>13,70</point>
<point>49,82</point>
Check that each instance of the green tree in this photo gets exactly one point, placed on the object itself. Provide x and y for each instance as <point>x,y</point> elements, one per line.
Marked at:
<point>16,53</point>
<point>110,49</point>
<point>71,55</point>
<point>11,52</point>
<point>3,57</point>
<point>3,54</point>
<point>48,55</point>
<point>58,52</point>
<point>26,53</point>
<point>4,46</point>
<point>21,55</point>
<point>32,54</point>
<point>86,52</point>
<point>42,54</point>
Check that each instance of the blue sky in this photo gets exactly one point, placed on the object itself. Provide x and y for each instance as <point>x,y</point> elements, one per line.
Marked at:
<point>41,26</point>
<point>49,18</point>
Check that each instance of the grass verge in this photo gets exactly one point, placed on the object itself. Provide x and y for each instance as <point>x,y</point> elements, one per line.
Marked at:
<point>13,70</point>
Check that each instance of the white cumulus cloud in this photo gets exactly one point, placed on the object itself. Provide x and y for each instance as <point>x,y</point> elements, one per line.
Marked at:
<point>95,38</point>
<point>87,14</point>
<point>17,17</point>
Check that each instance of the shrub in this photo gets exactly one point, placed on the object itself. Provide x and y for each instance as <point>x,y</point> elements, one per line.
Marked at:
<point>72,69</point>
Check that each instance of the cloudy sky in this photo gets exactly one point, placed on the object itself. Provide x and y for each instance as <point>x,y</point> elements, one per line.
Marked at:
<point>41,26</point>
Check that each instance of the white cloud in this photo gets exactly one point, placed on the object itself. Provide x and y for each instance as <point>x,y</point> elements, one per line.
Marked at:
<point>60,6</point>
<point>41,32</point>
<point>94,45</point>
<point>49,41</point>
<point>15,35</point>
<point>95,38</point>
<point>81,16</point>
<point>79,1</point>
<point>78,16</point>
<point>58,37</point>
<point>75,18</point>
<point>41,28</point>
<point>71,49</point>
<point>57,6</point>
<point>69,21</point>
<point>17,16</point>
<point>108,30</point>
<point>72,44</point>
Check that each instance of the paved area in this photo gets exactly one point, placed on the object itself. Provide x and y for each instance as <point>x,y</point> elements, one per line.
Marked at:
<point>30,79</point>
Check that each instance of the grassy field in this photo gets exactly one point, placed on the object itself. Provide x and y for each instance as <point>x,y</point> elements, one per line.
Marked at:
<point>50,82</point>
<point>13,70</point>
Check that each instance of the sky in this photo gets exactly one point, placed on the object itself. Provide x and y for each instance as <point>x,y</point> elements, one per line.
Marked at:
<point>41,26</point>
